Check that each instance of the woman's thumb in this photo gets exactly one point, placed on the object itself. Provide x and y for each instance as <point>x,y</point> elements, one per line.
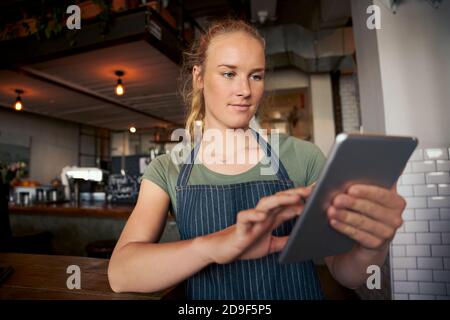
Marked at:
<point>277,243</point>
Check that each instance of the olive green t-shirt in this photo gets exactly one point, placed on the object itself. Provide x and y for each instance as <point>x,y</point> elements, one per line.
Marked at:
<point>302,159</point>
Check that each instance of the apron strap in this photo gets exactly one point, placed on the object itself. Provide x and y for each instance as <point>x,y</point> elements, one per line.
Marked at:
<point>275,162</point>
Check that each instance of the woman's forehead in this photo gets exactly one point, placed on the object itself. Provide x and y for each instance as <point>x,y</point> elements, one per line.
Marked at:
<point>237,48</point>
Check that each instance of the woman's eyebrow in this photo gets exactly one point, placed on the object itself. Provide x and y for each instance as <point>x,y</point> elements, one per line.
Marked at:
<point>235,67</point>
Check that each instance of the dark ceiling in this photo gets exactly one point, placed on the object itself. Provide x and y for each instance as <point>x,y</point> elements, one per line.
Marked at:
<point>79,86</point>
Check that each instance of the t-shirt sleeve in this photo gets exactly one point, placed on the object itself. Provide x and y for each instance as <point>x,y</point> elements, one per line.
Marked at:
<point>156,172</point>
<point>315,165</point>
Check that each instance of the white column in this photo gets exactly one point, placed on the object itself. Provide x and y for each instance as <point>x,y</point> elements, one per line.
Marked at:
<point>322,111</point>
<point>404,76</point>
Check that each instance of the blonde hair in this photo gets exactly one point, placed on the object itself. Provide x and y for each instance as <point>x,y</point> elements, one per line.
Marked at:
<point>196,56</point>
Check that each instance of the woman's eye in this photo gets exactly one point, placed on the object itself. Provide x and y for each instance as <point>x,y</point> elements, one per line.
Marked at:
<point>228,74</point>
<point>257,77</point>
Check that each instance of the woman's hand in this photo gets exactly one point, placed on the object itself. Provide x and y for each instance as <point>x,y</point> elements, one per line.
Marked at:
<point>251,237</point>
<point>368,214</point>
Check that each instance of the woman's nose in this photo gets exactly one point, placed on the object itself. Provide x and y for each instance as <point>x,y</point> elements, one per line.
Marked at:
<point>244,88</point>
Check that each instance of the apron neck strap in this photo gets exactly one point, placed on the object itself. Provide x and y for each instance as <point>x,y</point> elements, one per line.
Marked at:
<point>275,163</point>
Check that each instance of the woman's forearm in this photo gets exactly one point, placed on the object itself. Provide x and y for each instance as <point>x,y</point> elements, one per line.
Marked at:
<point>150,267</point>
<point>350,269</point>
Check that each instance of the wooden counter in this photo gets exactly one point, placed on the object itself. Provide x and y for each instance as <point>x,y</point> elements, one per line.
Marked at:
<point>44,277</point>
<point>94,209</point>
<point>91,209</point>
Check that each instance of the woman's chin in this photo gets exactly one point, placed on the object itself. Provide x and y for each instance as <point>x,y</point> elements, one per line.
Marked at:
<point>239,123</point>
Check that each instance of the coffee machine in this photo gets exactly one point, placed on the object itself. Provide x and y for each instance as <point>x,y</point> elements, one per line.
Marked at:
<point>84,184</point>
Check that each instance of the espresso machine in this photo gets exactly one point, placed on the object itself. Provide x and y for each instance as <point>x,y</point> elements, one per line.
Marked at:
<point>84,184</point>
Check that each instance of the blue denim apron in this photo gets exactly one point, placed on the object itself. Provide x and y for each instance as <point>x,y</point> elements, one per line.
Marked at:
<point>204,209</point>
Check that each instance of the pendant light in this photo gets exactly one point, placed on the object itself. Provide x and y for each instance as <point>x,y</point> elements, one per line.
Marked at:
<point>119,87</point>
<point>18,105</point>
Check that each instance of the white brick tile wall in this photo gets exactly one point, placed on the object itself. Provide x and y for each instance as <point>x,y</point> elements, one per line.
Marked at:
<point>408,214</point>
<point>441,276</point>
<point>406,238</point>
<point>406,287</point>
<point>422,297</point>
<point>440,251</point>
<point>424,166</point>
<point>445,213</point>
<point>420,275</point>
<point>404,263</point>
<point>447,264</point>
<point>425,190</point>
<point>418,251</point>
<point>408,168</point>
<point>446,238</point>
<point>440,226</point>
<point>349,103</point>
<point>427,214</point>
<point>436,177</point>
<point>435,154</point>
<point>428,238</point>
<point>406,191</point>
<point>399,275</point>
<point>401,229</point>
<point>443,165</point>
<point>417,202</point>
<point>439,202</point>
<point>417,155</point>
<point>398,251</point>
<point>432,288</point>
<point>444,189</point>
<point>416,226</point>
<point>429,263</point>
<point>414,178</point>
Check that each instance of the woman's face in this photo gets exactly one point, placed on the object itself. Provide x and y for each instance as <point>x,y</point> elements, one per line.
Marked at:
<point>232,80</point>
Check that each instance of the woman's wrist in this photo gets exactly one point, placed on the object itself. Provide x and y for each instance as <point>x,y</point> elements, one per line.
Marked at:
<point>201,245</point>
<point>372,254</point>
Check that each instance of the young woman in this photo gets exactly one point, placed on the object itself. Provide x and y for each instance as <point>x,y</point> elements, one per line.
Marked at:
<point>232,219</point>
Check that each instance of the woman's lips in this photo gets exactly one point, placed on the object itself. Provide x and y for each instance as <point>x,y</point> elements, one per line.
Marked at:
<point>240,107</point>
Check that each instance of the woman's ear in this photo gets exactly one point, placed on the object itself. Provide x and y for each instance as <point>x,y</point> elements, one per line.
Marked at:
<point>197,78</point>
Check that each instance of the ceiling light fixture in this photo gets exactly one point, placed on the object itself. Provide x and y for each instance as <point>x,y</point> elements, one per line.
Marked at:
<point>18,104</point>
<point>119,87</point>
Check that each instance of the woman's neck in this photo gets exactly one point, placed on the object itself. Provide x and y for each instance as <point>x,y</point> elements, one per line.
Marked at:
<point>223,145</point>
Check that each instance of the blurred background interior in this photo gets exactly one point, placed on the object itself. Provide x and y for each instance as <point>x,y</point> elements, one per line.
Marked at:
<point>83,112</point>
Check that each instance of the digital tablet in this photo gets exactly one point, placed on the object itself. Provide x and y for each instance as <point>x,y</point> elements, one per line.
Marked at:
<point>355,158</point>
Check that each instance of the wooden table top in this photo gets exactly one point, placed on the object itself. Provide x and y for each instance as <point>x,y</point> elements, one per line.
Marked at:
<point>44,277</point>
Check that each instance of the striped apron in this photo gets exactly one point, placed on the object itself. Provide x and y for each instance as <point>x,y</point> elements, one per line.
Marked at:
<point>204,209</point>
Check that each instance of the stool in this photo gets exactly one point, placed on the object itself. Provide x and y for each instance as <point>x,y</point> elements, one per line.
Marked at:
<point>102,249</point>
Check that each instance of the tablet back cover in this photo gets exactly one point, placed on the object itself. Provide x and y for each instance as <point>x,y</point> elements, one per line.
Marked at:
<point>354,158</point>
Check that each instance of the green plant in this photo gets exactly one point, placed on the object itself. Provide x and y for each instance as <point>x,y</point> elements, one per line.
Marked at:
<point>51,18</point>
<point>104,16</point>
<point>12,171</point>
